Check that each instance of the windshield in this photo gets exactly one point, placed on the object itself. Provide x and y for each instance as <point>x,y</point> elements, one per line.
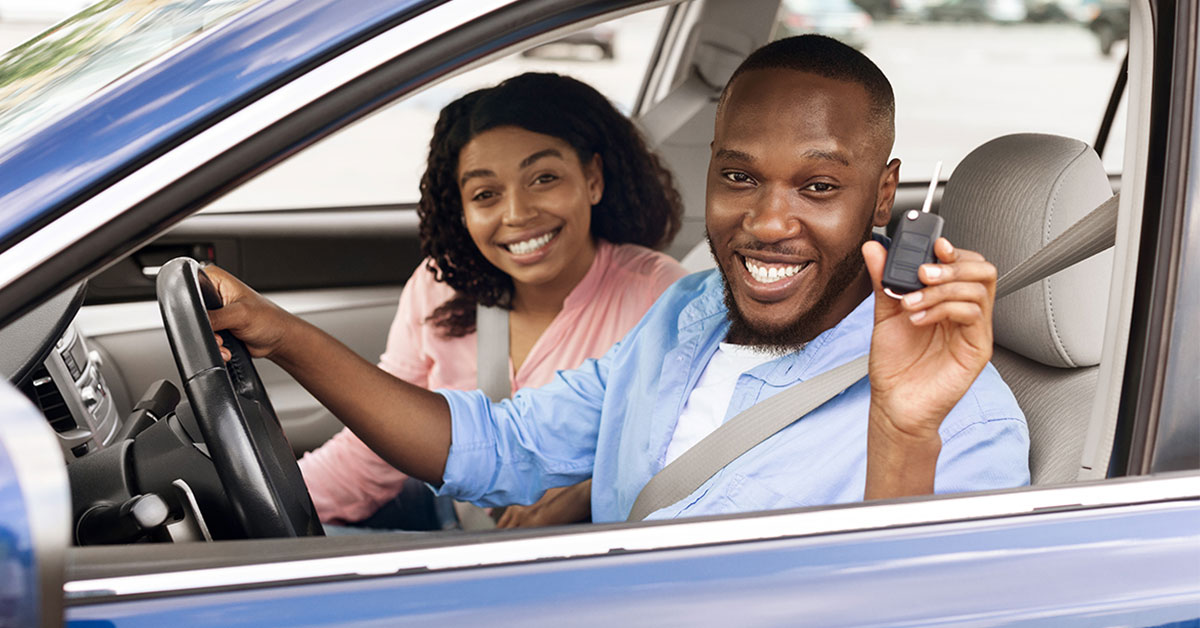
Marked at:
<point>55,71</point>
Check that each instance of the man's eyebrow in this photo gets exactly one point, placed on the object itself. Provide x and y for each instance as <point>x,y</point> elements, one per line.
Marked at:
<point>482,172</point>
<point>830,155</point>
<point>549,152</point>
<point>734,155</point>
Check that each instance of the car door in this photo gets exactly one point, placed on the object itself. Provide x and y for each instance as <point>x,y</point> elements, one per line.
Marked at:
<point>1118,551</point>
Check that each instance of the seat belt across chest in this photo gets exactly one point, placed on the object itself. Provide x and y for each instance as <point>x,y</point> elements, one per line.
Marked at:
<point>1090,235</point>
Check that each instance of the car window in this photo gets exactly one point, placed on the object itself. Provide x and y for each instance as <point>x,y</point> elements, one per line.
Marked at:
<point>68,62</point>
<point>379,160</point>
<point>967,71</point>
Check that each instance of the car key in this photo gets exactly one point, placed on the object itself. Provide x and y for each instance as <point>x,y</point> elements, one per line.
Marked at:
<point>912,245</point>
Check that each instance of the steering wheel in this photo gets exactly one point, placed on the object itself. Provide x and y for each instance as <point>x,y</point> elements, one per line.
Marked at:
<point>245,440</point>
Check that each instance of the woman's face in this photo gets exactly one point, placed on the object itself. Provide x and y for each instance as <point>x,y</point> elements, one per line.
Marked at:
<point>527,201</point>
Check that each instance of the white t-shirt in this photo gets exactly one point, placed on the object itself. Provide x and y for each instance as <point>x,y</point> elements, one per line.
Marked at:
<point>709,401</point>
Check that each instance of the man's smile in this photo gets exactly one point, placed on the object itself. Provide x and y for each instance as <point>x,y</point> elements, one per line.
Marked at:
<point>771,277</point>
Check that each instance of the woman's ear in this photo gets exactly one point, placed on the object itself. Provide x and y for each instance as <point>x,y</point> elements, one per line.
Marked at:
<point>594,173</point>
<point>885,196</point>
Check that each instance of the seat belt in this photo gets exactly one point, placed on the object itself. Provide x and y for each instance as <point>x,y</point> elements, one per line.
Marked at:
<point>491,342</point>
<point>1090,235</point>
<point>491,375</point>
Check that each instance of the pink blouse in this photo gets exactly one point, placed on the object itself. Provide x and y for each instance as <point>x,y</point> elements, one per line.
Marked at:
<point>349,482</point>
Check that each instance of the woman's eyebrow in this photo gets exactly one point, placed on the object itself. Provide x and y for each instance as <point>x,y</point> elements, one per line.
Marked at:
<point>482,172</point>
<point>549,152</point>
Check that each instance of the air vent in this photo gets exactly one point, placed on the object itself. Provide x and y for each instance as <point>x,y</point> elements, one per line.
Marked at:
<point>41,390</point>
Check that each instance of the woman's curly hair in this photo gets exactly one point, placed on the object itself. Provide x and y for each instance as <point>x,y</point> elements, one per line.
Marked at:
<point>640,203</point>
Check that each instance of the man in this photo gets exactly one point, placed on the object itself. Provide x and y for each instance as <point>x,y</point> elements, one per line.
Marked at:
<point>798,177</point>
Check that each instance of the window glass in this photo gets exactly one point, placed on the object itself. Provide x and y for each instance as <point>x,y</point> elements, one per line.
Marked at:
<point>64,65</point>
<point>379,160</point>
<point>967,71</point>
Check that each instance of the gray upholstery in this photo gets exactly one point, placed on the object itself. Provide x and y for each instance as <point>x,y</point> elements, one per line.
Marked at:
<point>1006,200</point>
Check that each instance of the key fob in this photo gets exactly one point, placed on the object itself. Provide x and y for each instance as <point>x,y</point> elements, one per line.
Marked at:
<point>911,246</point>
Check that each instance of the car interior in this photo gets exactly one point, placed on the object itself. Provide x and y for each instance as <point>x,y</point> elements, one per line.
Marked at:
<point>330,233</point>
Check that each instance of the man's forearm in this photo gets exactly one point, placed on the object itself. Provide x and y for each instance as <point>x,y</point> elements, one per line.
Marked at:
<point>898,463</point>
<point>406,425</point>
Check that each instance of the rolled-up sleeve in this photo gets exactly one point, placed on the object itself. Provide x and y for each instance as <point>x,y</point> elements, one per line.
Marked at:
<point>512,451</point>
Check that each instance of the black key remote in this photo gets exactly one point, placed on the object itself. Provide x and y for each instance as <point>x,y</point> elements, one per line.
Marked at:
<point>911,246</point>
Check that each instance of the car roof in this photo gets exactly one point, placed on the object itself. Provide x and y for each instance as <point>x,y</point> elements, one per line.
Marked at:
<point>151,110</point>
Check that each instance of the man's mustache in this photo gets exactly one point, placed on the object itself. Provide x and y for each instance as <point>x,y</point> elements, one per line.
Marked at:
<point>749,244</point>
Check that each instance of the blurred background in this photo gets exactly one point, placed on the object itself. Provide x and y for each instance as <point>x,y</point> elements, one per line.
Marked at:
<point>960,68</point>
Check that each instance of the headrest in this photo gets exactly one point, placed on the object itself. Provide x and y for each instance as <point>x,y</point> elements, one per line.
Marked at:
<point>1007,199</point>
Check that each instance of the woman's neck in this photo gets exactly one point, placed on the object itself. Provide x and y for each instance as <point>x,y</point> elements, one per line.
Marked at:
<point>546,299</point>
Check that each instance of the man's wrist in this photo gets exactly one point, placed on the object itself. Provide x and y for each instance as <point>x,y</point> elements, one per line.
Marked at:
<point>900,461</point>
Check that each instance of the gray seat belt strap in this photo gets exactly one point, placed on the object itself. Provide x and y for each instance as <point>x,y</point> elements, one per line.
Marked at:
<point>741,433</point>
<point>491,375</point>
<point>1088,236</point>
<point>491,340</point>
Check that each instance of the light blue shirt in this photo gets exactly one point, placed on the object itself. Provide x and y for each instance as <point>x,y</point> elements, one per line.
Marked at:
<point>611,419</point>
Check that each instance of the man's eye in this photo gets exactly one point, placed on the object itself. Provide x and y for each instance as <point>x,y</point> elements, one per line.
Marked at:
<point>737,176</point>
<point>820,186</point>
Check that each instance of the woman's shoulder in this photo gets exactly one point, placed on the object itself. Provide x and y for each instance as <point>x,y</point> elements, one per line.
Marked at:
<point>424,290</point>
<point>634,259</point>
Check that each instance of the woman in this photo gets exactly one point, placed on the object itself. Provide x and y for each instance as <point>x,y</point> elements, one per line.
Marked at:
<point>541,199</point>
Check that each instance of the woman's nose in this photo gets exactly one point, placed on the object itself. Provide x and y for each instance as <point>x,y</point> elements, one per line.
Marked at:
<point>518,210</point>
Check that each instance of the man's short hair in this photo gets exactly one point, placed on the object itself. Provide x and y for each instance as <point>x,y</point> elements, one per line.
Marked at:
<point>829,58</point>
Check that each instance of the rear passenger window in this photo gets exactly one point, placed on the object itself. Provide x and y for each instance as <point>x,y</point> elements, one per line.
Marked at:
<point>966,71</point>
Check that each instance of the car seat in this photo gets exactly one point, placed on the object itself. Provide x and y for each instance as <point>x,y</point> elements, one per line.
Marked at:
<point>1007,199</point>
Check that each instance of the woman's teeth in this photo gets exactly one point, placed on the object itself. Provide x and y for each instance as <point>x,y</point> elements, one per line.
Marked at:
<point>770,274</point>
<point>528,246</point>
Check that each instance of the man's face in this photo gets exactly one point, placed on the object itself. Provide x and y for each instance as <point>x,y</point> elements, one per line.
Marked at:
<point>796,180</point>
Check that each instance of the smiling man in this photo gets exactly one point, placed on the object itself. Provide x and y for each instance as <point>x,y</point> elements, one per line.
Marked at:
<point>799,176</point>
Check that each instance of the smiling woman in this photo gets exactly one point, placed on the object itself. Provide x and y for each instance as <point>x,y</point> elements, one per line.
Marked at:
<point>539,199</point>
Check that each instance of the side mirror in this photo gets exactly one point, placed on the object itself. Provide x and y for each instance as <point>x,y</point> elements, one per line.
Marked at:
<point>35,515</point>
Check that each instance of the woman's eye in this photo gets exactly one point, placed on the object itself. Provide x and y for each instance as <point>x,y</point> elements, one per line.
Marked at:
<point>737,176</point>
<point>820,186</point>
<point>545,178</point>
<point>482,195</point>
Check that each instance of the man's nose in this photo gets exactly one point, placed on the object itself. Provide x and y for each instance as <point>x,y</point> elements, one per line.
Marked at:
<point>773,217</point>
<point>518,209</point>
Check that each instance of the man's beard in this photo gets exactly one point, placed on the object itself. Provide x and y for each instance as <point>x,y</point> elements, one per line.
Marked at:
<point>794,335</point>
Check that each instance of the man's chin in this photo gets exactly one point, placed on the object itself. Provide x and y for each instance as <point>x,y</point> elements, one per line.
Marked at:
<point>781,326</point>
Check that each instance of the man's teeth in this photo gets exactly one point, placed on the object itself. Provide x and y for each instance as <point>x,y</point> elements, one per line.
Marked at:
<point>528,246</point>
<point>771,274</point>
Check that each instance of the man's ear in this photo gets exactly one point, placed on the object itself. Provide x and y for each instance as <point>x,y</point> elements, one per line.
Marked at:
<point>594,171</point>
<point>885,196</point>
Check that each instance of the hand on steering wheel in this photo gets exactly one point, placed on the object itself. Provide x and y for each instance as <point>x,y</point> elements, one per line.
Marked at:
<point>243,434</point>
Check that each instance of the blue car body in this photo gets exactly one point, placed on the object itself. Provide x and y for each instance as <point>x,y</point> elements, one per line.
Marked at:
<point>1117,552</point>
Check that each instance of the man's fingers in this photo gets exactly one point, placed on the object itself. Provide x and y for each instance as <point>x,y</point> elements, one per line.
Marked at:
<point>978,271</point>
<point>875,256</point>
<point>962,313</point>
<point>966,291</point>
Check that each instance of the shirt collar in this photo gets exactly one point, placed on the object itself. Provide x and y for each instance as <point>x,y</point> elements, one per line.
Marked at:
<point>850,338</point>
